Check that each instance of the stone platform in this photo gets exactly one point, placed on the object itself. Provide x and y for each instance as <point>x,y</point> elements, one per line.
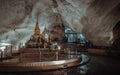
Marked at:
<point>38,66</point>
<point>35,60</point>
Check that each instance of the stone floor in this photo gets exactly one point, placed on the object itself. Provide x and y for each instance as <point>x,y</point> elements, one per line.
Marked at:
<point>98,65</point>
<point>101,65</point>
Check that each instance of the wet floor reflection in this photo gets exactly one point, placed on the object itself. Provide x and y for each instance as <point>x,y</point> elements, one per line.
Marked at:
<point>71,71</point>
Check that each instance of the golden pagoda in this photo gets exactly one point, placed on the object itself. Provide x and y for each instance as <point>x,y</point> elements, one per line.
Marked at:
<point>37,40</point>
<point>37,29</point>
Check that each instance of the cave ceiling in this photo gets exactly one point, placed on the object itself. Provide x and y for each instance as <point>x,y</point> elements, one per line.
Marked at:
<point>95,19</point>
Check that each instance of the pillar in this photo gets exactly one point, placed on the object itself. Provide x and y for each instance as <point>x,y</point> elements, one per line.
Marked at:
<point>20,56</point>
<point>1,55</point>
<point>56,55</point>
<point>11,50</point>
<point>40,56</point>
<point>76,53</point>
<point>68,53</point>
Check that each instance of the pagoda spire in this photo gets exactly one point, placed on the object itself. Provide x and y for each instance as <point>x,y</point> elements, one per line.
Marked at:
<point>37,29</point>
<point>45,29</point>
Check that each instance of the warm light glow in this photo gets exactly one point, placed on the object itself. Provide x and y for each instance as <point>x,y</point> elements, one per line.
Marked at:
<point>58,62</point>
<point>59,47</point>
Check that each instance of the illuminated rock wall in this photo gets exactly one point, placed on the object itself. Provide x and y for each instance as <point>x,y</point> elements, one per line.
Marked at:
<point>94,18</point>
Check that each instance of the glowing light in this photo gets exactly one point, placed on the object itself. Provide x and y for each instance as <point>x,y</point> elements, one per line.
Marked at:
<point>3,46</point>
<point>82,36</point>
<point>59,47</point>
<point>58,62</point>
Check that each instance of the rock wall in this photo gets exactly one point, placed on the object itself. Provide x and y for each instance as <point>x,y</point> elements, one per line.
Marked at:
<point>93,18</point>
<point>116,35</point>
